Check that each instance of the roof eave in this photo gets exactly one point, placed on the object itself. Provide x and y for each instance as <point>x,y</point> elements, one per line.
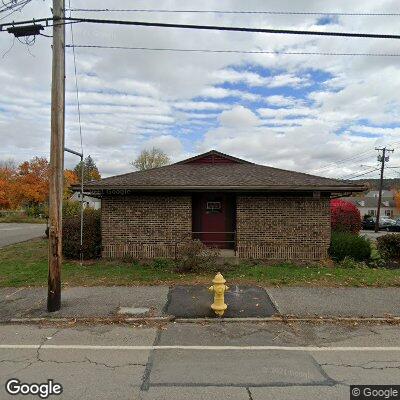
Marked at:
<point>334,189</point>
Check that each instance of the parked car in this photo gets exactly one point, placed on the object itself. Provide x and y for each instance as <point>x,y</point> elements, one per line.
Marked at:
<point>385,223</point>
<point>395,227</point>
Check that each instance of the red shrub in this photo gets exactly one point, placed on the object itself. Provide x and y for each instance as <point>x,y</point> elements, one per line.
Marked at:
<point>345,216</point>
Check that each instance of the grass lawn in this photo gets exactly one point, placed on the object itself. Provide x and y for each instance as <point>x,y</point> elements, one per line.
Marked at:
<point>25,264</point>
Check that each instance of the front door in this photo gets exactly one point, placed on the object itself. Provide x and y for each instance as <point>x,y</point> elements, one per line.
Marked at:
<point>214,219</point>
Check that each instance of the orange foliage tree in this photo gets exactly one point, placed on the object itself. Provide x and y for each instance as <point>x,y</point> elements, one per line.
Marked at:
<point>397,200</point>
<point>70,178</point>
<point>28,184</point>
<point>33,181</point>
<point>8,172</point>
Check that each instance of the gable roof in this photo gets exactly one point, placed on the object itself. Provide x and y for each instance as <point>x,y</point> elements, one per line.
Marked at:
<point>214,157</point>
<point>237,175</point>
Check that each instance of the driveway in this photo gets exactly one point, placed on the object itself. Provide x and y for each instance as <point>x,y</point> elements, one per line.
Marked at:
<point>15,233</point>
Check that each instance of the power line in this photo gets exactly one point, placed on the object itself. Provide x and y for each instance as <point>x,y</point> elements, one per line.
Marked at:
<point>235,12</point>
<point>81,139</point>
<point>235,28</point>
<point>212,28</point>
<point>13,5</point>
<point>356,176</point>
<point>277,52</point>
<point>17,6</point>
<point>358,157</point>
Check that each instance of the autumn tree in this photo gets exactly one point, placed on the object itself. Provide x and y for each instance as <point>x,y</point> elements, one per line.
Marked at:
<point>152,158</point>
<point>8,173</point>
<point>33,181</point>
<point>70,178</point>
<point>397,200</point>
<point>90,171</point>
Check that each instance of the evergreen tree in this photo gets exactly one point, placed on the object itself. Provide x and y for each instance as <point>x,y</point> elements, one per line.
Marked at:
<point>90,171</point>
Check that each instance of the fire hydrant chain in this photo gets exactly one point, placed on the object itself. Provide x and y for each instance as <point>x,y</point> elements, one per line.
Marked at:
<point>219,288</point>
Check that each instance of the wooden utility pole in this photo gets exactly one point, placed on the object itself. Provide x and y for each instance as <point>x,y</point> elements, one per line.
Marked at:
<point>56,179</point>
<point>382,158</point>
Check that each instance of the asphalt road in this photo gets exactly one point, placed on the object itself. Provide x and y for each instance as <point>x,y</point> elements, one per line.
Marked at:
<point>11,233</point>
<point>180,361</point>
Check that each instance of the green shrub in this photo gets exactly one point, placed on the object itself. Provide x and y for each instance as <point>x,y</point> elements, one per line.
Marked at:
<point>195,256</point>
<point>389,246</point>
<point>162,264</point>
<point>71,208</point>
<point>36,210</point>
<point>345,244</point>
<point>91,235</point>
<point>349,263</point>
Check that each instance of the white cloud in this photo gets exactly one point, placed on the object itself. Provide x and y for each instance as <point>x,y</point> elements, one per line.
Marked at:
<point>129,98</point>
<point>200,105</point>
<point>281,101</point>
<point>239,117</point>
<point>287,112</point>
<point>171,145</point>
<point>220,93</point>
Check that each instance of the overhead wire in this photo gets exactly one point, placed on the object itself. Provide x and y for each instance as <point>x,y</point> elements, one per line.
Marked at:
<point>13,9</point>
<point>80,135</point>
<point>354,158</point>
<point>352,176</point>
<point>235,28</point>
<point>270,12</point>
<point>227,51</point>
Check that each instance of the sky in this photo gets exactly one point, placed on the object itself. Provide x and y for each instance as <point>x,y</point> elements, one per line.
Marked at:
<point>322,115</point>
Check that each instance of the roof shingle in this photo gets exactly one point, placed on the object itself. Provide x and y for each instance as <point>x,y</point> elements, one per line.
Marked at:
<point>234,176</point>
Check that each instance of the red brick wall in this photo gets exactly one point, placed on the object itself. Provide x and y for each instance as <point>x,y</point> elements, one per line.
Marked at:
<point>283,228</point>
<point>144,226</point>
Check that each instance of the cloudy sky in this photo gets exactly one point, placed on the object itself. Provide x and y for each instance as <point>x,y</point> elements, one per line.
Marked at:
<point>312,113</point>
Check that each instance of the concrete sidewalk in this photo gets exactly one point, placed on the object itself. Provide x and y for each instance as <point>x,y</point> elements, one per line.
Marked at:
<point>82,302</point>
<point>153,301</point>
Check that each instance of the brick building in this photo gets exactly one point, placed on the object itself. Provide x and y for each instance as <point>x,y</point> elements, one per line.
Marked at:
<point>253,210</point>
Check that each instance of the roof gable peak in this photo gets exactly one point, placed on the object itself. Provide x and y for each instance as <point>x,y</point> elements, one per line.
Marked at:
<point>214,157</point>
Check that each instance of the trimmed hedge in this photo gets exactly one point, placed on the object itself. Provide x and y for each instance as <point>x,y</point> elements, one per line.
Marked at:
<point>389,246</point>
<point>91,235</point>
<point>345,216</point>
<point>345,244</point>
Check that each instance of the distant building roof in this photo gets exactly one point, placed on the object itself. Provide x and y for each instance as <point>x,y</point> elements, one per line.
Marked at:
<point>375,193</point>
<point>371,202</point>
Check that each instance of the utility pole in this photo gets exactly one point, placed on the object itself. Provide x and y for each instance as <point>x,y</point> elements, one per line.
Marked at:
<point>56,179</point>
<point>382,158</point>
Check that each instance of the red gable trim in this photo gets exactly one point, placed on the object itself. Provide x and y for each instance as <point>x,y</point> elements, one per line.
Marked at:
<point>214,157</point>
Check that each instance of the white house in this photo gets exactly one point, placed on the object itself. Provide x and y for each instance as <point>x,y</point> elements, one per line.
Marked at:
<point>368,203</point>
<point>88,201</point>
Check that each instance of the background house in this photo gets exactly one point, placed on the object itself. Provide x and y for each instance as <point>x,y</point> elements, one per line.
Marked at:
<point>367,204</point>
<point>88,201</point>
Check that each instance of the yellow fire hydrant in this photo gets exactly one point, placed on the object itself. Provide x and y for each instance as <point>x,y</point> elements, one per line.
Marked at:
<point>219,289</point>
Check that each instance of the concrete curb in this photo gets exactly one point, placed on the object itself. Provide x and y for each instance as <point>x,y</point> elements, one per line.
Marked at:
<point>316,319</point>
<point>93,320</point>
<point>171,318</point>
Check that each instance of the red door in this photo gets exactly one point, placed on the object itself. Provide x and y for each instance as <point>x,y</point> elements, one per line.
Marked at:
<point>214,219</point>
